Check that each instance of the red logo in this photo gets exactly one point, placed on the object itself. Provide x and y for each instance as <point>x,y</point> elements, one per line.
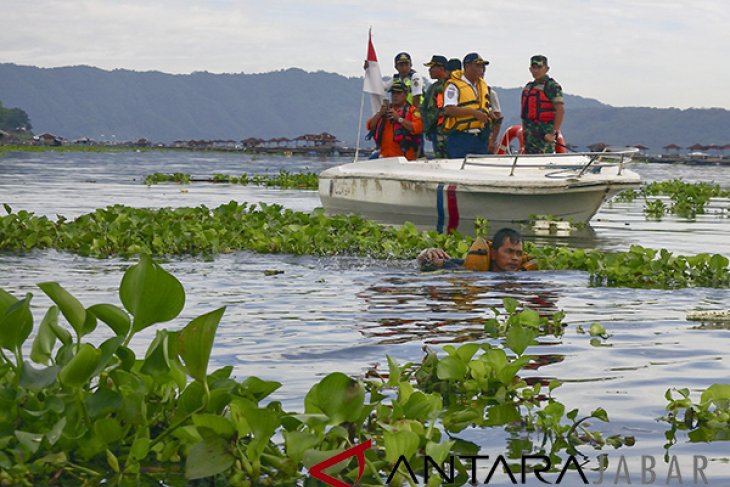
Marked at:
<point>317,471</point>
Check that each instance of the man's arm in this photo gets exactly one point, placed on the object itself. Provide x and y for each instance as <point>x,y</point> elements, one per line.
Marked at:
<point>559,115</point>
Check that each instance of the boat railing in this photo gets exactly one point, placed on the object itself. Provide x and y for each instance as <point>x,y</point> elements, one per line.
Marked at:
<point>596,160</point>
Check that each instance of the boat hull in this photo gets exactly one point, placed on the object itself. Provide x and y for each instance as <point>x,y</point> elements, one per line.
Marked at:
<point>445,198</point>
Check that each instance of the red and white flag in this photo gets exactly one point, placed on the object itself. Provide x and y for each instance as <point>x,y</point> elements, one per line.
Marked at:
<point>373,84</point>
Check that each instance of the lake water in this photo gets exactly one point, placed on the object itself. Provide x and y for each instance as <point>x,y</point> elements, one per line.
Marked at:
<point>325,314</point>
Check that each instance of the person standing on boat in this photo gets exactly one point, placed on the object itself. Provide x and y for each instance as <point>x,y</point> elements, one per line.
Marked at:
<point>466,106</point>
<point>397,126</point>
<point>405,73</point>
<point>542,108</point>
<point>503,254</point>
<point>433,106</point>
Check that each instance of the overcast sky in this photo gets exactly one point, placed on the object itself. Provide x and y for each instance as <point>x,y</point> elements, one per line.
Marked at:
<point>660,53</point>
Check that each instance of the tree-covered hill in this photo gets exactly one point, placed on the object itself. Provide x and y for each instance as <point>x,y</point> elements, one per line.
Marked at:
<point>85,101</point>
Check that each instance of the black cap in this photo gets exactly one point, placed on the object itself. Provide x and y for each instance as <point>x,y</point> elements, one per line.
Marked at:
<point>436,60</point>
<point>402,57</point>
<point>453,64</point>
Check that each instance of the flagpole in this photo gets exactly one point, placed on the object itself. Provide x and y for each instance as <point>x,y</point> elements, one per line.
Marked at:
<point>359,127</point>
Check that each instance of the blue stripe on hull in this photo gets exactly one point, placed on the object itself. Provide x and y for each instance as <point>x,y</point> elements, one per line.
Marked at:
<point>440,208</point>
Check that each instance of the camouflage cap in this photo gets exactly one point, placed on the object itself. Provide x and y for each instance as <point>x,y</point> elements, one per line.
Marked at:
<point>398,85</point>
<point>436,60</point>
<point>538,60</point>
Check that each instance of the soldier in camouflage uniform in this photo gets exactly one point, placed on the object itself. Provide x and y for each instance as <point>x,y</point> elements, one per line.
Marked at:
<point>433,106</point>
<point>542,109</point>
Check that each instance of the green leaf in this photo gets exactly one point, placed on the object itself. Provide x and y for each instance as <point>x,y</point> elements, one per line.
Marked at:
<point>108,348</point>
<point>399,443</point>
<point>16,320</point>
<point>450,368</point>
<point>156,362</point>
<point>151,294</point>
<point>61,333</point>
<point>422,407</point>
<point>719,394</point>
<point>113,316</point>
<point>467,351</point>
<point>42,350</point>
<point>55,432</point>
<point>108,430</point>
<point>71,308</point>
<point>139,450</point>
<point>601,414</point>
<point>439,452</point>
<point>501,414</point>
<point>338,396</point>
<point>218,424</point>
<point>519,338</point>
<point>103,402</point>
<point>393,371</point>
<point>297,442</point>
<point>30,441</point>
<point>195,342</point>
<point>79,370</point>
<point>597,330</point>
<point>207,458</point>
<point>510,305</point>
<point>37,379</point>
<point>258,388</point>
<point>529,317</point>
<point>112,460</point>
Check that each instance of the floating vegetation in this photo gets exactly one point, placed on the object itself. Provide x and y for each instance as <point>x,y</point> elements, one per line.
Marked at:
<point>81,411</point>
<point>708,420</point>
<point>284,179</point>
<point>158,177</point>
<point>120,230</point>
<point>638,267</point>
<point>688,199</point>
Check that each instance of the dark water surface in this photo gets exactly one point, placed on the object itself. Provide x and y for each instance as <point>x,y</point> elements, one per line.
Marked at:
<point>345,314</point>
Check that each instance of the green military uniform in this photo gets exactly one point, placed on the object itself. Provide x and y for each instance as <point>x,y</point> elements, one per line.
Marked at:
<point>431,112</point>
<point>534,131</point>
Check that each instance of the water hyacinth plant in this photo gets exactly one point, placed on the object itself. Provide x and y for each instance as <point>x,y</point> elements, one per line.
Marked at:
<point>707,420</point>
<point>120,230</point>
<point>283,179</point>
<point>687,199</point>
<point>79,411</point>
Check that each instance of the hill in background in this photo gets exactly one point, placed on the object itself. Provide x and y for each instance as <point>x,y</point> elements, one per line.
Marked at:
<point>83,101</point>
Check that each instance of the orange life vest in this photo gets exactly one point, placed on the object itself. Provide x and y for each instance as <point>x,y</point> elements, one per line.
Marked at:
<point>478,258</point>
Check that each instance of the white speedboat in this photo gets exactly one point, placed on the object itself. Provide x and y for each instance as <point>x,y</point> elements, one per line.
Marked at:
<point>449,194</point>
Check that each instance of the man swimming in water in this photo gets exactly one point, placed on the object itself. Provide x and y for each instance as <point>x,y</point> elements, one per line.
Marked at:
<point>504,255</point>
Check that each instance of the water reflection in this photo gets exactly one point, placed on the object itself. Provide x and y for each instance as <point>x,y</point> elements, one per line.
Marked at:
<point>448,307</point>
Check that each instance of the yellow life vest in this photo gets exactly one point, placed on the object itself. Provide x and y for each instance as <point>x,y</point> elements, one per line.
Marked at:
<point>467,98</point>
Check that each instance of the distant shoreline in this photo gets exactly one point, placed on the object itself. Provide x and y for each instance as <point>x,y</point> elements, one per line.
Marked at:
<point>272,151</point>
